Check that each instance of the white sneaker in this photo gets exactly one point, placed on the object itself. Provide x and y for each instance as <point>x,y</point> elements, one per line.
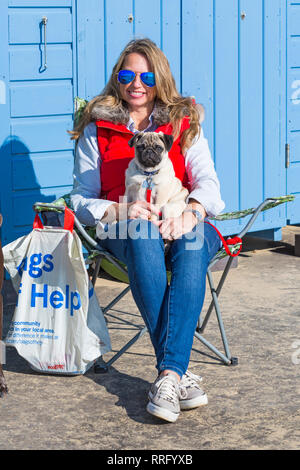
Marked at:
<point>193,395</point>
<point>164,397</point>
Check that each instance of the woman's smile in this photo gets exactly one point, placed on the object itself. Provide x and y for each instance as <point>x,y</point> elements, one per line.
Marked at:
<point>136,93</point>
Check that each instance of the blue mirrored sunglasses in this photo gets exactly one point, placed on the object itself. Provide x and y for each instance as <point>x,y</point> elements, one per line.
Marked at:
<point>127,76</point>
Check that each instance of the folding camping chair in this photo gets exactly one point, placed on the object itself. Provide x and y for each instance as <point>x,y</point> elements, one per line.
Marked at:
<point>100,258</point>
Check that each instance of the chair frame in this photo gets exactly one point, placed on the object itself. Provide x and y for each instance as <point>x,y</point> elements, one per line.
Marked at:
<point>99,254</point>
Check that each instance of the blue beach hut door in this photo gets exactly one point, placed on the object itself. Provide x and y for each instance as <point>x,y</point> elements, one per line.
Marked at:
<point>36,107</point>
<point>293,110</point>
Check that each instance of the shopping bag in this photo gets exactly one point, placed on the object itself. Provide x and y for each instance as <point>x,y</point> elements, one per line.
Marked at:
<point>58,325</point>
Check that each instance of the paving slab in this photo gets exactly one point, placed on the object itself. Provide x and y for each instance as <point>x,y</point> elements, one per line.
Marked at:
<point>254,405</point>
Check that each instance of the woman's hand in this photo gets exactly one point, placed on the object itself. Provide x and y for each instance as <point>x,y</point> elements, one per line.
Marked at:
<point>174,227</point>
<point>142,210</point>
<point>130,210</point>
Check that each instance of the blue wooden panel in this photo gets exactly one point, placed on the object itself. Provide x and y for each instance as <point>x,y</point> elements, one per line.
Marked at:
<point>118,30</point>
<point>197,58</point>
<point>294,178</point>
<point>293,86</point>
<point>5,173</point>
<point>294,51</point>
<point>23,214</point>
<point>294,116</point>
<point>171,37</point>
<point>25,26</point>
<point>40,3</point>
<point>41,98</point>
<point>90,46</point>
<point>293,209</point>
<point>274,84</point>
<point>42,134</point>
<point>59,61</point>
<point>42,170</point>
<point>293,99</point>
<point>148,20</point>
<point>36,152</point>
<point>251,103</point>
<point>293,108</point>
<point>294,18</point>
<point>226,86</point>
<point>295,147</point>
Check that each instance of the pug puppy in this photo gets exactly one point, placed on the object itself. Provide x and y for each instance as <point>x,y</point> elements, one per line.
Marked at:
<point>151,173</point>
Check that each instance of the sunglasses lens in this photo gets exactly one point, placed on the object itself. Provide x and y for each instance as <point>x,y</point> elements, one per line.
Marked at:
<point>125,76</point>
<point>148,78</point>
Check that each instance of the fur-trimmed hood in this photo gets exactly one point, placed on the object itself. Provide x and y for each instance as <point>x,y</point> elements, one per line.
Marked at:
<point>120,114</point>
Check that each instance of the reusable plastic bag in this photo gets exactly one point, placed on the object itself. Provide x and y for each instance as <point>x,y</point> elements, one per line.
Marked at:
<point>58,325</point>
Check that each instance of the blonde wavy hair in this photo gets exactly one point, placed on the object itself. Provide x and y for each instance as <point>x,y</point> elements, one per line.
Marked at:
<point>166,92</point>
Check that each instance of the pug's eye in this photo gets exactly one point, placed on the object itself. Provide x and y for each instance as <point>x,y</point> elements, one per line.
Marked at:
<point>140,147</point>
<point>158,148</point>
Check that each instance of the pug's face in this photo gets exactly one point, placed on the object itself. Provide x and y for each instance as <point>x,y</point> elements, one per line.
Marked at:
<point>151,148</point>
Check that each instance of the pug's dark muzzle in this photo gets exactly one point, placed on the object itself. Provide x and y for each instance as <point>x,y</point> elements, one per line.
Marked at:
<point>149,158</point>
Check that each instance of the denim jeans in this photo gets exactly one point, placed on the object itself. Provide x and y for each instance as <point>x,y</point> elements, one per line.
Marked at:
<point>170,312</point>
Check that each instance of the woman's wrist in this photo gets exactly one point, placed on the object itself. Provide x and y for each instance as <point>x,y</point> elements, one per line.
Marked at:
<point>194,205</point>
<point>112,213</point>
<point>197,216</point>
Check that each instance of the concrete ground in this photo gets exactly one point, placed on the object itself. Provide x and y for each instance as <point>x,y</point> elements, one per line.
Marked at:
<point>254,405</point>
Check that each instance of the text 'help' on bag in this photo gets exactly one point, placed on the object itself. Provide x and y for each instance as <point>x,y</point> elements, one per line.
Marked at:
<point>58,325</point>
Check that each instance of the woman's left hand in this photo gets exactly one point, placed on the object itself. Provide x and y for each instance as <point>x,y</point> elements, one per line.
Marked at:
<point>174,227</point>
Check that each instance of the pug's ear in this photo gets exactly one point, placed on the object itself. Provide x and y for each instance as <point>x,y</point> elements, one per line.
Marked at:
<point>168,141</point>
<point>134,140</point>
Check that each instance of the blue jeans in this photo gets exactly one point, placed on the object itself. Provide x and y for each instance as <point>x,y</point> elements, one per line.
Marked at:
<point>170,312</point>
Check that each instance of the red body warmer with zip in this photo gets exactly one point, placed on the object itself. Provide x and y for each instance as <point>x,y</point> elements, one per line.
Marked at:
<point>116,155</point>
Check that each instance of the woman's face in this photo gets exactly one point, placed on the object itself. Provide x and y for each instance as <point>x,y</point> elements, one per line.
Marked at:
<point>136,93</point>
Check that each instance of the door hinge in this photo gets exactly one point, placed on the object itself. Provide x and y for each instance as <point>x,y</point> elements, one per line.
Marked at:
<point>287,155</point>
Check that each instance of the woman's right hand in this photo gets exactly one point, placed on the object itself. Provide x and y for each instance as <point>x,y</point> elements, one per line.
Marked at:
<point>142,210</point>
<point>130,210</point>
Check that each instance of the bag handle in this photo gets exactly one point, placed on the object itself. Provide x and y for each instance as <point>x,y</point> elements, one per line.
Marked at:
<point>68,220</point>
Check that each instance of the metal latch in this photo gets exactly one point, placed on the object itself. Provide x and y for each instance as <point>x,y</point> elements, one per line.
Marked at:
<point>44,22</point>
<point>287,155</point>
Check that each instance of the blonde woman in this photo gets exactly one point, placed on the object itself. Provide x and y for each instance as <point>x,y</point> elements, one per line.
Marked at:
<point>141,95</point>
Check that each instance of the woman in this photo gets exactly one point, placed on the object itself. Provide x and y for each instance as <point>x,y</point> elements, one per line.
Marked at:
<point>141,95</point>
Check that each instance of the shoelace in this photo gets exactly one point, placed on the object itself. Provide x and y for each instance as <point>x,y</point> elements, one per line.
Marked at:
<point>190,380</point>
<point>169,390</point>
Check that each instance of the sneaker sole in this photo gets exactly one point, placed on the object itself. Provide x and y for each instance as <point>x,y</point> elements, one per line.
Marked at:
<point>162,413</point>
<point>193,402</point>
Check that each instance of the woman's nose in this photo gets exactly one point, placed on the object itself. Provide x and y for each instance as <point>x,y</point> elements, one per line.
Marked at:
<point>137,80</point>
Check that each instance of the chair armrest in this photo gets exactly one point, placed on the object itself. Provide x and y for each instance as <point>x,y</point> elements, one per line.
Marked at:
<point>270,203</point>
<point>84,232</point>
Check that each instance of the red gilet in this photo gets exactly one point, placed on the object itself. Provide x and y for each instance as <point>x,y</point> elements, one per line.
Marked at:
<point>116,155</point>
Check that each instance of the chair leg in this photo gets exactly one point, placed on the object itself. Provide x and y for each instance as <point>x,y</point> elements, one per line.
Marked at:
<point>116,300</point>
<point>97,269</point>
<point>102,367</point>
<point>227,358</point>
<point>218,290</point>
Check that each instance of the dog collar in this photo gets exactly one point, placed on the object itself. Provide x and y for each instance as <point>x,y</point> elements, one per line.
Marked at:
<point>150,173</point>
